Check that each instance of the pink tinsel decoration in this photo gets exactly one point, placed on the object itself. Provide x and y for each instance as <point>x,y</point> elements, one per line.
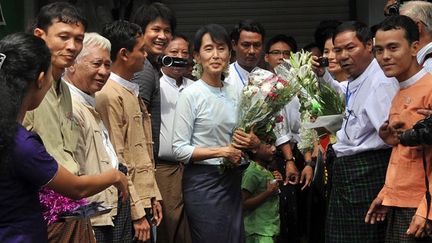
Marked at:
<point>53,204</point>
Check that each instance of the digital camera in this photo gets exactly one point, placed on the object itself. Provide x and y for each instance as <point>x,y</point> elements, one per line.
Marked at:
<point>420,133</point>
<point>168,61</point>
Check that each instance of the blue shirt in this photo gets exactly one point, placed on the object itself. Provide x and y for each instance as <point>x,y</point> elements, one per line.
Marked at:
<point>31,168</point>
<point>205,117</point>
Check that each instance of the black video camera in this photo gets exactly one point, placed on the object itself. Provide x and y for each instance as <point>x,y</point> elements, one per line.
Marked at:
<point>421,133</point>
<point>168,61</point>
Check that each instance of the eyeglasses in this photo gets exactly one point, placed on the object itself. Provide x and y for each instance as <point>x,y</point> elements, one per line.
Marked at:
<point>279,52</point>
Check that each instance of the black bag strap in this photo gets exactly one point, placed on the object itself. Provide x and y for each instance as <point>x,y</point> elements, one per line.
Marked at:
<point>428,195</point>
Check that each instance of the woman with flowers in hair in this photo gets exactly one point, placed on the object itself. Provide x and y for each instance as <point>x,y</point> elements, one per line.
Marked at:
<point>25,165</point>
<point>206,115</point>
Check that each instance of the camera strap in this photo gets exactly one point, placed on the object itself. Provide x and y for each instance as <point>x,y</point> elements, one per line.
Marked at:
<point>428,195</point>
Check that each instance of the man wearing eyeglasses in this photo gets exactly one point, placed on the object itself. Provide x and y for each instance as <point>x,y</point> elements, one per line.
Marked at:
<point>287,132</point>
<point>279,47</point>
<point>362,156</point>
<point>247,40</point>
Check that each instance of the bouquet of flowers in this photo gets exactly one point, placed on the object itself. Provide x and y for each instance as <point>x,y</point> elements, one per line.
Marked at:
<point>316,100</point>
<point>262,99</point>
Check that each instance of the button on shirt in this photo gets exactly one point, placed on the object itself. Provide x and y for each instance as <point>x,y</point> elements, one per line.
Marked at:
<point>368,106</point>
<point>169,96</point>
<point>238,77</point>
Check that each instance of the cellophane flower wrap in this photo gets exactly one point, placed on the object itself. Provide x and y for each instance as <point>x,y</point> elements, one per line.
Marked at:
<point>54,204</point>
<point>316,99</point>
<point>262,100</point>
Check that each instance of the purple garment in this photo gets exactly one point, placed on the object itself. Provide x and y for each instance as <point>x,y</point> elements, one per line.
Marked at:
<point>20,212</point>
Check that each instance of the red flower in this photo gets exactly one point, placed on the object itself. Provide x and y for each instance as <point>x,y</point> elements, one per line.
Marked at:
<point>272,95</point>
<point>279,119</point>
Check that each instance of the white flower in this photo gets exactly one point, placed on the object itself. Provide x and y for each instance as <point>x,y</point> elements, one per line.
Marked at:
<point>254,89</point>
<point>247,92</point>
<point>279,85</point>
<point>265,88</point>
<point>303,72</point>
<point>197,70</point>
<point>256,81</point>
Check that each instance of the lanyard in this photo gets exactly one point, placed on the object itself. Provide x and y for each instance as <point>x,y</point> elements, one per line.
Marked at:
<point>240,76</point>
<point>347,96</point>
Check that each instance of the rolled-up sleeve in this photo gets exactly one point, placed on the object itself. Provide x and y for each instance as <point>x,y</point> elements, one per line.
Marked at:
<point>183,128</point>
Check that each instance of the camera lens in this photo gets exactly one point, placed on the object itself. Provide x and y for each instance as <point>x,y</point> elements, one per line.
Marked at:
<point>167,61</point>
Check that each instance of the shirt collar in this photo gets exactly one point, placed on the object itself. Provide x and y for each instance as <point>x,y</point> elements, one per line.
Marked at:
<point>413,79</point>
<point>173,82</point>
<point>132,87</point>
<point>82,96</point>
<point>423,52</point>
<point>353,84</point>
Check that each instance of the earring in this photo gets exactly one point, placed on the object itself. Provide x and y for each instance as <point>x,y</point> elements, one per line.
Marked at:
<point>225,72</point>
<point>197,69</point>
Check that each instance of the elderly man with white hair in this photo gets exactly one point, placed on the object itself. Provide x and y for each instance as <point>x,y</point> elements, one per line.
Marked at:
<point>421,13</point>
<point>94,151</point>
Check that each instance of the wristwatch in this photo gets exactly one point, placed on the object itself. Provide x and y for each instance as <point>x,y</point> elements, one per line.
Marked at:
<point>290,159</point>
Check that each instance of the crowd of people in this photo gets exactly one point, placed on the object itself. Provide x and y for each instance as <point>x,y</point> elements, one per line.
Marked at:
<point>98,116</point>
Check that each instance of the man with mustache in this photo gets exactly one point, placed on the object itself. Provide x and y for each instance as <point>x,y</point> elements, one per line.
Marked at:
<point>361,155</point>
<point>169,171</point>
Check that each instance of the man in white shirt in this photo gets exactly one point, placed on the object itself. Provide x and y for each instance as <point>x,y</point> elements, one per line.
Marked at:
<point>362,157</point>
<point>421,13</point>
<point>247,39</point>
<point>169,171</point>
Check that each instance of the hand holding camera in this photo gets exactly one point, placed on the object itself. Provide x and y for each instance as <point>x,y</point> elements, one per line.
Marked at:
<point>319,64</point>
